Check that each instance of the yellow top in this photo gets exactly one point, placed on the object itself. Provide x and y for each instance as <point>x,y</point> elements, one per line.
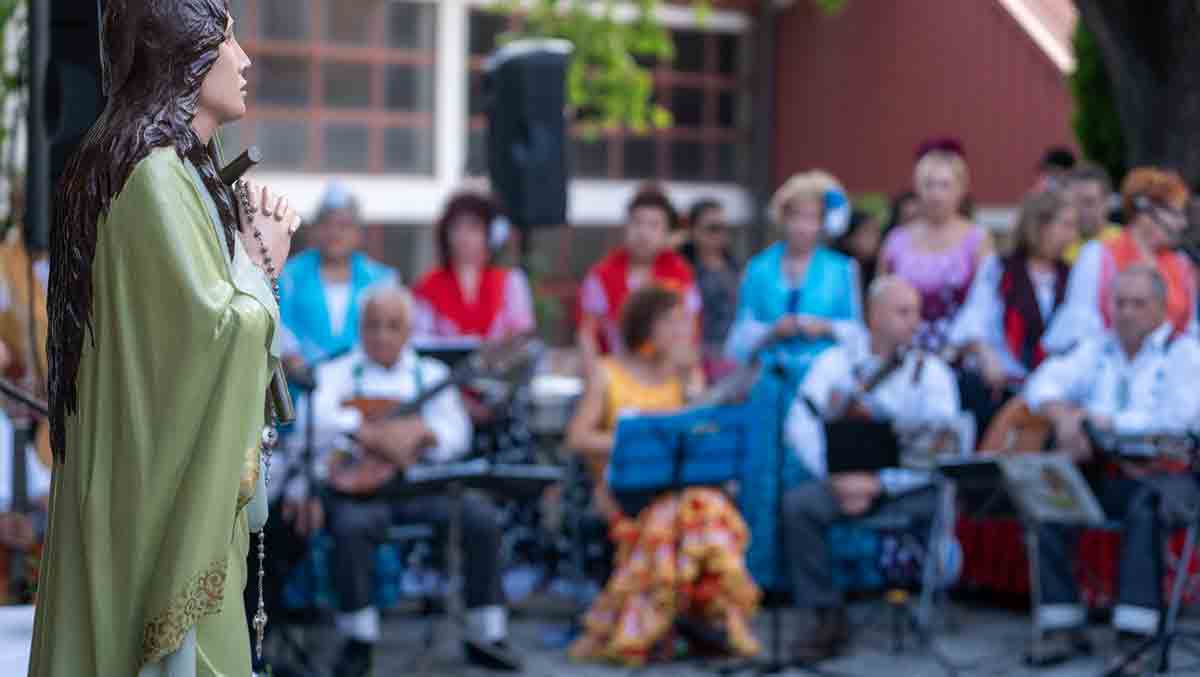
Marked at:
<point>1108,232</point>
<point>626,393</point>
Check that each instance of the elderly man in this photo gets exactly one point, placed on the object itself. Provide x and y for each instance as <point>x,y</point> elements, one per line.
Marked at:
<point>917,391</point>
<point>1140,377</point>
<point>386,367</point>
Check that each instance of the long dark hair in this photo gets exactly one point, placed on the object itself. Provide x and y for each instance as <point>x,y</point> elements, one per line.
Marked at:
<point>156,55</point>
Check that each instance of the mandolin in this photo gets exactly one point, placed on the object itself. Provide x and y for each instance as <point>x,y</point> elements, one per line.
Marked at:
<point>503,359</point>
<point>1019,430</point>
<point>1016,429</point>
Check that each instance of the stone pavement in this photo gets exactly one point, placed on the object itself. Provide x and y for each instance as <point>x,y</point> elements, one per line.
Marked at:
<point>987,643</point>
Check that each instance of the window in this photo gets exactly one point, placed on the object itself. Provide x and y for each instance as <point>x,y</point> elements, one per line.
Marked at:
<point>706,88</point>
<point>341,85</point>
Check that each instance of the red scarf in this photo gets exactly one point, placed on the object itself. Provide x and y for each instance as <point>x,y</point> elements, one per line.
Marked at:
<point>440,289</point>
<point>1023,321</point>
<point>669,270</point>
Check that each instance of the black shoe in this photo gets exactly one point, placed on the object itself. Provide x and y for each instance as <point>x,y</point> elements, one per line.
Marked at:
<point>1059,646</point>
<point>826,635</point>
<point>355,659</point>
<point>492,656</point>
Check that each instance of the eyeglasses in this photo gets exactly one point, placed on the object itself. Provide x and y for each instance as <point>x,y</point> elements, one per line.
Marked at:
<point>1169,218</point>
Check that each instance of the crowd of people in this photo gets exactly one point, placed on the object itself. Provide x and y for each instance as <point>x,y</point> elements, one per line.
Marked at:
<point>921,318</point>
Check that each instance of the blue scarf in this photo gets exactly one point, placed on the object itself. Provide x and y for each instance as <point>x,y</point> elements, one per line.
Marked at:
<point>302,302</point>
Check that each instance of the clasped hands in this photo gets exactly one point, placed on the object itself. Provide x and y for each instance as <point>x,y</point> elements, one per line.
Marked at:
<point>855,491</point>
<point>790,326</point>
<point>268,223</point>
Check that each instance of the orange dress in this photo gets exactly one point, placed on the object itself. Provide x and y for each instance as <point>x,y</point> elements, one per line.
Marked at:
<point>683,556</point>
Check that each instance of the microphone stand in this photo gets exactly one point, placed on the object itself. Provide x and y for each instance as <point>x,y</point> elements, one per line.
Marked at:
<point>777,662</point>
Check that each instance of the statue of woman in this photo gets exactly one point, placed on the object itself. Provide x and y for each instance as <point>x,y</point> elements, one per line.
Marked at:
<point>163,333</point>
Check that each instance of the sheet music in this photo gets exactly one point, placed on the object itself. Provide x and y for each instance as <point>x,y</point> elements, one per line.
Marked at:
<point>1049,488</point>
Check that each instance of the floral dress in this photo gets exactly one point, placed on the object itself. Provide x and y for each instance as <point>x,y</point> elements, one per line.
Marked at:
<point>681,559</point>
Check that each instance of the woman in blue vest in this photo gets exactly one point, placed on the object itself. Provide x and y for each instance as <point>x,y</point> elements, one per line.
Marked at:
<point>797,298</point>
<point>320,287</point>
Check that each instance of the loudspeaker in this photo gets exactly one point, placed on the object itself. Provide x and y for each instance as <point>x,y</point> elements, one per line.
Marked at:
<point>524,89</point>
<point>65,101</point>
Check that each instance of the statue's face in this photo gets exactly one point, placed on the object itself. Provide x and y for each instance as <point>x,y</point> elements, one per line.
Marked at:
<point>223,92</point>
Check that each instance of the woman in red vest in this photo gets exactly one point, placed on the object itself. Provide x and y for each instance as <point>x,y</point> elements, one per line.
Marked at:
<point>466,296</point>
<point>1013,298</point>
<point>646,256</point>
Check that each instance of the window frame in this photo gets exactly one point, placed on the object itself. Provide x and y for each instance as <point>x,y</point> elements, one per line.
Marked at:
<point>317,50</point>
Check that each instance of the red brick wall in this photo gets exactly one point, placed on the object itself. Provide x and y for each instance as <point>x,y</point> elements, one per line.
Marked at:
<point>857,92</point>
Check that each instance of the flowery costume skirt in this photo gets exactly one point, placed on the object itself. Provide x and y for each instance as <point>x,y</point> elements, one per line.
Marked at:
<point>681,559</point>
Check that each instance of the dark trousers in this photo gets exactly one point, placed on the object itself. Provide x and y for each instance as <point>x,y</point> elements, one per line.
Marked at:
<point>358,526</point>
<point>1147,507</point>
<point>808,512</point>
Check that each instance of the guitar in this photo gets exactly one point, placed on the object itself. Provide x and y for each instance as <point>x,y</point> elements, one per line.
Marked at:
<point>1016,429</point>
<point>1019,430</point>
<point>504,359</point>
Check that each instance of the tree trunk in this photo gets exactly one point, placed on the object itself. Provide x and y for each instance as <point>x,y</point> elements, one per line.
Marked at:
<point>1152,53</point>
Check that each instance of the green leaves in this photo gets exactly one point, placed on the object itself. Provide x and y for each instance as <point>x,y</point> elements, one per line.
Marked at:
<point>608,85</point>
<point>1096,122</point>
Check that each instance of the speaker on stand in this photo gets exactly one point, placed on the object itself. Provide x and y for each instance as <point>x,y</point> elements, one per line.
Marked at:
<point>525,95</point>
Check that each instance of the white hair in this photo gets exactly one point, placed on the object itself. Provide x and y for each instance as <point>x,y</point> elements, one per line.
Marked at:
<point>385,288</point>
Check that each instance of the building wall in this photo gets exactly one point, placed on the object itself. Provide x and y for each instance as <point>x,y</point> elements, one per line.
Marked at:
<point>858,91</point>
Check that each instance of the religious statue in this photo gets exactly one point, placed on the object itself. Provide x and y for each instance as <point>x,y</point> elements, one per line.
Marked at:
<point>163,333</point>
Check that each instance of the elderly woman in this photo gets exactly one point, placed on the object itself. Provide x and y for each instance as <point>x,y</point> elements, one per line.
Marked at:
<point>679,561</point>
<point>467,296</point>
<point>1153,201</point>
<point>799,296</point>
<point>940,251</point>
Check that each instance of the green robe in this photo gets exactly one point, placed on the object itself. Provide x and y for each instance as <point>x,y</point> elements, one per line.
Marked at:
<point>148,535</point>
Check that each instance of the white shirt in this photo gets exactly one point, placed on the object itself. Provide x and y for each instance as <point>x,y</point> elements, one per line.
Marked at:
<point>337,302</point>
<point>905,397</point>
<point>982,315</point>
<point>356,375</point>
<point>37,475</point>
<point>1080,316</point>
<point>1154,392</point>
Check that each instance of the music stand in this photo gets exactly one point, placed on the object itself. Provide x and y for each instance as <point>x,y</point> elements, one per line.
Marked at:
<point>701,447</point>
<point>860,446</point>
